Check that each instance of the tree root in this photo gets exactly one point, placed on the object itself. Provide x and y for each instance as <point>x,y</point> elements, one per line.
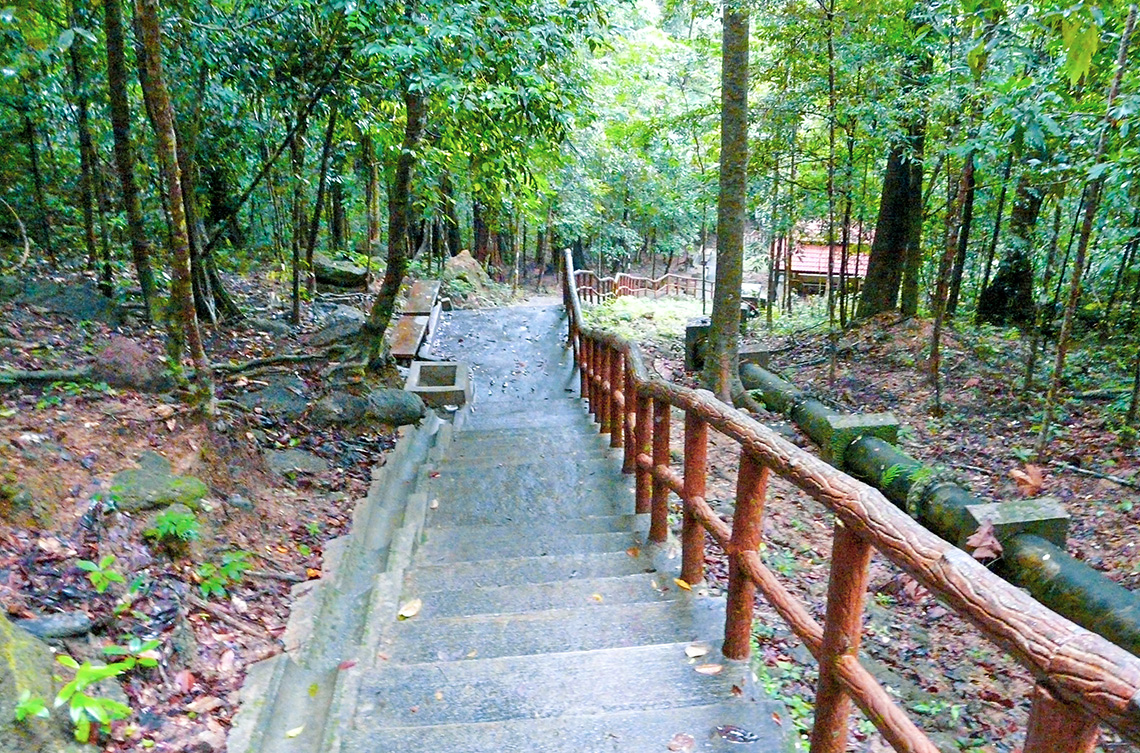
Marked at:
<point>237,368</point>
<point>45,375</point>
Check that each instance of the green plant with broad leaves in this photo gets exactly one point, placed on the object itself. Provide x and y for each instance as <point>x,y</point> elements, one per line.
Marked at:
<point>101,574</point>
<point>137,652</point>
<point>31,706</point>
<point>174,526</point>
<point>216,578</point>
<point>87,710</point>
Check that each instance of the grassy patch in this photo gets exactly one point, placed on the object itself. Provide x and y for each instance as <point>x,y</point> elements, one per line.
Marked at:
<point>644,319</point>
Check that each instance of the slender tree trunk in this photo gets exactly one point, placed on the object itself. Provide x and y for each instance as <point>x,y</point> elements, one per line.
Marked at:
<point>1092,203</point>
<point>1046,281</point>
<point>86,148</point>
<point>997,222</point>
<point>963,235</point>
<point>124,152</point>
<point>451,216</point>
<point>297,213</point>
<point>322,183</point>
<point>399,200</point>
<point>185,318</point>
<point>372,222</point>
<point>43,217</point>
<point>720,374</point>
<point>954,223</point>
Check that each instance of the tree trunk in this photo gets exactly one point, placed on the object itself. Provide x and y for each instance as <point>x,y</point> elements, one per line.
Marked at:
<point>1046,281</point>
<point>124,152</point>
<point>1091,204</point>
<point>338,221</point>
<point>899,202</point>
<point>963,235</point>
<point>322,183</point>
<point>451,216</point>
<point>184,318</point>
<point>997,222</point>
<point>1008,299</point>
<point>399,200</point>
<point>913,258</point>
<point>42,216</point>
<point>86,148</point>
<point>297,214</point>
<point>953,223</point>
<point>481,232</point>
<point>720,373</point>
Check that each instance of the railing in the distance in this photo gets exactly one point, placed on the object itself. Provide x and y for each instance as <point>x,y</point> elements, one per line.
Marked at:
<point>1082,680</point>
<point>594,289</point>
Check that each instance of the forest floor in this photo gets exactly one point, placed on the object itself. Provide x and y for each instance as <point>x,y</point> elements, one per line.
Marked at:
<point>965,692</point>
<point>62,442</point>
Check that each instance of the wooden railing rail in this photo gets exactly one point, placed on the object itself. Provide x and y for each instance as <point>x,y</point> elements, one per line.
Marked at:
<point>595,289</point>
<point>1081,679</point>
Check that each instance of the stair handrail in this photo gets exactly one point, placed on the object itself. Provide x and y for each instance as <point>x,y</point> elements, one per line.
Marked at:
<point>595,288</point>
<point>1081,679</point>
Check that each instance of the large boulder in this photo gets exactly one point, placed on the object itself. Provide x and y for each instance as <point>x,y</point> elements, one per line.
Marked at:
<point>338,273</point>
<point>153,485</point>
<point>383,406</point>
<point>294,460</point>
<point>124,363</point>
<point>338,324</point>
<point>80,301</point>
<point>286,397</point>
<point>28,665</point>
<point>463,276</point>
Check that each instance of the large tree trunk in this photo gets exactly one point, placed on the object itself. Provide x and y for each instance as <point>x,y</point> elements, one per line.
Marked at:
<point>913,257</point>
<point>124,153</point>
<point>482,234</point>
<point>184,321</point>
<point>1008,299</point>
<point>398,202</point>
<point>720,373</point>
<point>899,205</point>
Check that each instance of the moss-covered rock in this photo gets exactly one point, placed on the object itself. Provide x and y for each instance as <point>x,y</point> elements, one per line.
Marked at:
<point>153,485</point>
<point>27,664</point>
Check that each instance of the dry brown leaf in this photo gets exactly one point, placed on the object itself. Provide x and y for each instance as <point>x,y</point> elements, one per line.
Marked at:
<point>709,669</point>
<point>410,609</point>
<point>683,584</point>
<point>184,680</point>
<point>682,743</point>
<point>633,551</point>
<point>984,543</point>
<point>1029,481</point>
<point>693,650</point>
<point>204,704</point>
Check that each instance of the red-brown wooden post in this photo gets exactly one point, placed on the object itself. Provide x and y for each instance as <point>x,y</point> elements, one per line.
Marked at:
<point>747,519</point>
<point>1058,727</point>
<point>583,355</point>
<point>643,432</point>
<point>591,357</point>
<point>605,403</point>
<point>629,459</point>
<point>617,413</point>
<point>659,522</point>
<point>843,628</point>
<point>696,468</point>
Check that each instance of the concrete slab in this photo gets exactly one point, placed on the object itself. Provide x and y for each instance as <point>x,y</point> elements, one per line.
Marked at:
<point>456,575</point>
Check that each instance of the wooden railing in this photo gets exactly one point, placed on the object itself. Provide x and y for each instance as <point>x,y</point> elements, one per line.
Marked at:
<point>594,289</point>
<point>1082,680</point>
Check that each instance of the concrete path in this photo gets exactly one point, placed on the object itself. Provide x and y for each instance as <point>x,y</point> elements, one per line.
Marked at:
<point>538,619</point>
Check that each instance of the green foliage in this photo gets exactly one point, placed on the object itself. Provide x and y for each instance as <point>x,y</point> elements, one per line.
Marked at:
<point>101,575</point>
<point>28,705</point>
<point>84,709</point>
<point>137,652</point>
<point>172,525</point>
<point>215,578</point>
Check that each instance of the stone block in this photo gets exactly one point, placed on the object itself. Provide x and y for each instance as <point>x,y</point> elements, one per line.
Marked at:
<point>440,383</point>
<point>842,430</point>
<point>1045,517</point>
<point>755,354</point>
<point>696,336</point>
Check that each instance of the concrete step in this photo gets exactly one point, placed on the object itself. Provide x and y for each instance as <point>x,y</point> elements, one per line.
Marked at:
<point>554,444</point>
<point>582,628</point>
<point>543,687</point>
<point>454,576</point>
<point>643,588</point>
<point>496,542</point>
<point>640,731</point>
<point>561,412</point>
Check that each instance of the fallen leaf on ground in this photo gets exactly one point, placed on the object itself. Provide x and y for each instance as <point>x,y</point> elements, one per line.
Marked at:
<point>1029,481</point>
<point>683,584</point>
<point>410,609</point>
<point>693,650</point>
<point>184,680</point>
<point>734,734</point>
<point>633,551</point>
<point>346,664</point>
<point>709,669</point>
<point>204,704</point>
<point>295,732</point>
<point>682,742</point>
<point>984,542</point>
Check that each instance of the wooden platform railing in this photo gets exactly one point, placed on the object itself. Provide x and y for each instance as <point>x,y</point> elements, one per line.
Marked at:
<point>1082,680</point>
<point>594,289</point>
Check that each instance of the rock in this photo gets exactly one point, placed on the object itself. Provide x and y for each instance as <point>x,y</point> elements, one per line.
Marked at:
<point>239,502</point>
<point>340,324</point>
<point>383,406</point>
<point>286,397</point>
<point>395,407</point>
<point>463,275</point>
<point>153,485</point>
<point>272,326</point>
<point>63,625</point>
<point>80,301</point>
<point>26,664</point>
<point>338,272</point>
<point>10,287</point>
<point>124,363</point>
<point>286,461</point>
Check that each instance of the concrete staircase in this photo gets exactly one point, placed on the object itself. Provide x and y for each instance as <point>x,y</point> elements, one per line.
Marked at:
<point>545,624</point>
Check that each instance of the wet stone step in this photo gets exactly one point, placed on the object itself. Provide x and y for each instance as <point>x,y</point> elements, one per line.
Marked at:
<point>456,575</point>
<point>584,628</point>
<point>730,727</point>
<point>518,542</point>
<point>543,686</point>
<point>642,588</point>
